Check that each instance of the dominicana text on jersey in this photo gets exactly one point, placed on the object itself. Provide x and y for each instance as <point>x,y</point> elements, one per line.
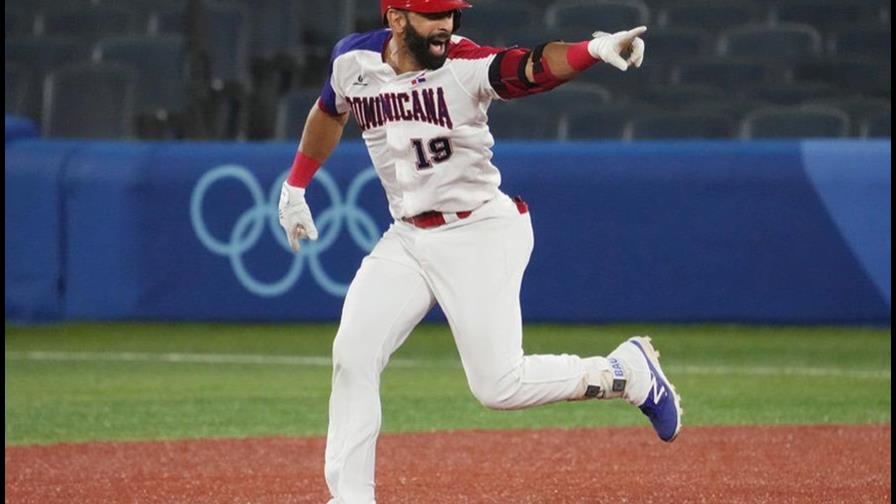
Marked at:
<point>425,105</point>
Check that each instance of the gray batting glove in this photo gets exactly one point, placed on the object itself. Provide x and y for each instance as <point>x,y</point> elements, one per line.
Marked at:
<point>295,216</point>
<point>612,48</point>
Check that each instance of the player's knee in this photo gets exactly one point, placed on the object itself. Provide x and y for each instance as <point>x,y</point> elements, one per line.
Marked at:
<point>497,394</point>
<point>493,403</point>
<point>352,357</point>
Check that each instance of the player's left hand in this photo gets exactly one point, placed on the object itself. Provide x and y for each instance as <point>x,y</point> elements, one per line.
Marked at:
<point>295,216</point>
<point>619,49</point>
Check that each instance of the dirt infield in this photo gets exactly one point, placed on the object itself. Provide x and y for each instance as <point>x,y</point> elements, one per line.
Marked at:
<point>710,464</point>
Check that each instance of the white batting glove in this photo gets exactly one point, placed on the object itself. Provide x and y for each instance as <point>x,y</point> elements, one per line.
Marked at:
<point>613,48</point>
<point>295,216</point>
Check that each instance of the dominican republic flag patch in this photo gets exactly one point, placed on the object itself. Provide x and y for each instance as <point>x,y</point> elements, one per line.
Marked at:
<point>418,79</point>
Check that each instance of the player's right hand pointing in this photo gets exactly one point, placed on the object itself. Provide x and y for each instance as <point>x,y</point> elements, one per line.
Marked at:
<point>619,49</point>
<point>295,216</point>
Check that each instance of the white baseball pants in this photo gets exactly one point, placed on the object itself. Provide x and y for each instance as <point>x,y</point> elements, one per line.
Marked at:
<point>473,268</point>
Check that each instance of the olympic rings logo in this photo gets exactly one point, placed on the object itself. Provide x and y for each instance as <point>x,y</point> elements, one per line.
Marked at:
<point>249,226</point>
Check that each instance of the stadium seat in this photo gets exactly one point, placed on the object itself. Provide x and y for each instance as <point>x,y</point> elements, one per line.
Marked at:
<point>883,10</point>
<point>823,16</point>
<point>877,126</point>
<point>683,95</point>
<point>527,38</point>
<point>17,86</point>
<point>276,28</point>
<point>226,38</point>
<point>32,7</point>
<point>851,74</point>
<point>144,9</point>
<point>218,66</point>
<point>520,120</point>
<point>493,24</point>
<point>292,111</point>
<point>859,108</point>
<point>734,109</point>
<point>872,41</point>
<point>18,21</point>
<point>722,72</point>
<point>784,42</point>
<point>676,44</point>
<point>88,24</point>
<point>808,121</point>
<point>41,55</point>
<point>88,100</point>
<point>364,19</point>
<point>169,19</point>
<point>575,20</point>
<point>708,15</point>
<point>628,83</point>
<point>44,53</point>
<point>571,96</point>
<point>323,22</point>
<point>604,123</point>
<point>792,93</point>
<point>672,125</point>
<point>159,62</point>
<point>279,60</point>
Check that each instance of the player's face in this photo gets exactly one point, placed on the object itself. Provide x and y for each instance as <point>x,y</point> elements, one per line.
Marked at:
<point>427,36</point>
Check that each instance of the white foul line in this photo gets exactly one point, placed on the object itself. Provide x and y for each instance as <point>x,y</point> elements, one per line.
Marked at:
<point>782,370</point>
<point>203,358</point>
<point>194,358</point>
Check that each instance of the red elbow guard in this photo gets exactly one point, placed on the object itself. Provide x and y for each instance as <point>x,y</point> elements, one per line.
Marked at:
<point>507,73</point>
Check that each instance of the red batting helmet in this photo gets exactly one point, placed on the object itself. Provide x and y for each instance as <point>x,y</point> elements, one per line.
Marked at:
<point>424,6</point>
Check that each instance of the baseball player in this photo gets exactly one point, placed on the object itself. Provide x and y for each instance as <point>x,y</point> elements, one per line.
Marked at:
<point>420,95</point>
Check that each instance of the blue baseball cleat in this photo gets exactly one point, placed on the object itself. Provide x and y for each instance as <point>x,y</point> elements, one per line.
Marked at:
<point>648,387</point>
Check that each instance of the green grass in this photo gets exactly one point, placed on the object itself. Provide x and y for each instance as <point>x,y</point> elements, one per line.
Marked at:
<point>725,374</point>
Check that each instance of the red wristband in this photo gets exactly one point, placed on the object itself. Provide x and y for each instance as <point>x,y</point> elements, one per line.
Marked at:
<point>578,57</point>
<point>303,169</point>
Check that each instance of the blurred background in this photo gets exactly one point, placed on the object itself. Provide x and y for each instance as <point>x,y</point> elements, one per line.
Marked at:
<point>679,210</point>
<point>250,70</point>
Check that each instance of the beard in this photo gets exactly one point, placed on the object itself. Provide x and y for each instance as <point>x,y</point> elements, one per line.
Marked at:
<point>421,47</point>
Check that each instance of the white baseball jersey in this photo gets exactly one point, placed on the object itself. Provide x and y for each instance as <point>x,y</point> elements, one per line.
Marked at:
<point>426,130</point>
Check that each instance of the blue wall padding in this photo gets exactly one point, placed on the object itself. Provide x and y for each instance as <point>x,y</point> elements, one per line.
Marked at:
<point>688,231</point>
<point>858,205</point>
<point>648,231</point>
<point>19,128</point>
<point>163,269</point>
<point>35,232</point>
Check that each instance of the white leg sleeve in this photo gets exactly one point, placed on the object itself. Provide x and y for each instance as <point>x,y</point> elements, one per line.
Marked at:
<point>387,298</point>
<point>476,272</point>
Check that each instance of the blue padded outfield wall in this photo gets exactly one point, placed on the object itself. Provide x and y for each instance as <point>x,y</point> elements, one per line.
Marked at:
<point>779,232</point>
